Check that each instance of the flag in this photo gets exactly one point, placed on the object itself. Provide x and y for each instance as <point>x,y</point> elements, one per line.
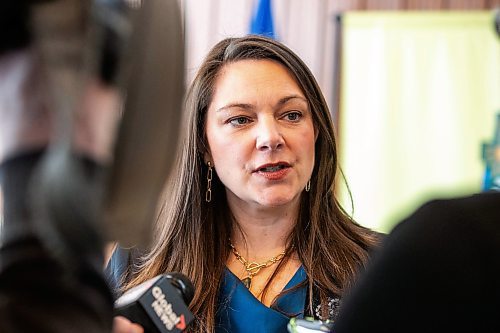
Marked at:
<point>262,20</point>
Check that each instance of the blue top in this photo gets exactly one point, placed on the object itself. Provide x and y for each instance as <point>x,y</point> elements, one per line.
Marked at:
<point>240,312</point>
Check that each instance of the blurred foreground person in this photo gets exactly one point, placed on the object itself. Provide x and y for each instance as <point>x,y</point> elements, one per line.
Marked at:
<point>59,106</point>
<point>38,293</point>
<point>438,271</point>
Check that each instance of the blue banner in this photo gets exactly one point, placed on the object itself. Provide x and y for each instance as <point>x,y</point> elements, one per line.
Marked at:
<point>262,20</point>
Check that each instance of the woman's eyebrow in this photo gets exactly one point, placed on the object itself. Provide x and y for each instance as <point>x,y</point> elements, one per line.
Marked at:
<point>244,106</point>
<point>286,99</point>
<point>247,106</point>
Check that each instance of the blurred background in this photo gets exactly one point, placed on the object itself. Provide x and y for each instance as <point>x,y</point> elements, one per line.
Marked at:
<point>413,87</point>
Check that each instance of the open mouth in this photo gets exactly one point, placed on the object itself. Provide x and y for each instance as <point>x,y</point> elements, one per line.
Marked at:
<point>273,167</point>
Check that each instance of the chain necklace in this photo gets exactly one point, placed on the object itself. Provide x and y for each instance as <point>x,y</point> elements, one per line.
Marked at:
<point>253,268</point>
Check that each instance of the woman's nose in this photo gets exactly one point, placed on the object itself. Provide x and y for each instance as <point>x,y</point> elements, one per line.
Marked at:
<point>269,136</point>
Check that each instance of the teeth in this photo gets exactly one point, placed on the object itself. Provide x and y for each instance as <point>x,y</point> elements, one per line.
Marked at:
<point>272,169</point>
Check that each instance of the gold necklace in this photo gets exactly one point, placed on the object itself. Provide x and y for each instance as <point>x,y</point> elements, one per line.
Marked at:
<point>253,268</point>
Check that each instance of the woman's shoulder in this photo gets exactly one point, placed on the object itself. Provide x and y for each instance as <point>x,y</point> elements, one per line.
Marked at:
<point>372,239</point>
<point>378,236</point>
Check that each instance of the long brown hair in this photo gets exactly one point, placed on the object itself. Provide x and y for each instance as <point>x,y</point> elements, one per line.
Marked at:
<point>192,235</point>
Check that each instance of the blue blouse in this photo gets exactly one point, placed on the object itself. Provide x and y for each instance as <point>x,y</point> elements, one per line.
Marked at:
<point>240,312</point>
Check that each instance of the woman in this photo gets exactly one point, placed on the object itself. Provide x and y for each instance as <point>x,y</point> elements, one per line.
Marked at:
<point>251,217</point>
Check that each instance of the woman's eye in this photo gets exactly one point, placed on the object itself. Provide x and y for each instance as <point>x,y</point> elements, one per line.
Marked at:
<point>238,121</point>
<point>293,116</point>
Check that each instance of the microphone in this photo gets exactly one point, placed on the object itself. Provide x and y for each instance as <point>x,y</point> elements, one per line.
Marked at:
<point>309,325</point>
<point>159,304</point>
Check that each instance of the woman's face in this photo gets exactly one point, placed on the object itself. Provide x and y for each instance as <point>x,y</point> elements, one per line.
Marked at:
<point>260,134</point>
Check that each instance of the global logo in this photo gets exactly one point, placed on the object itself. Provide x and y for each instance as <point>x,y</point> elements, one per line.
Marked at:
<point>164,311</point>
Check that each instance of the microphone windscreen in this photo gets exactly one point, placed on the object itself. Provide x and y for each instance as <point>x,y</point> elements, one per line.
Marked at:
<point>157,305</point>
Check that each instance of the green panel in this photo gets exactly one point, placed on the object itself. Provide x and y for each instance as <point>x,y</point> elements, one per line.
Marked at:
<point>419,95</point>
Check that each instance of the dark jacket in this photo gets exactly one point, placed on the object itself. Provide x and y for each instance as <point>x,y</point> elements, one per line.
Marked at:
<point>438,271</point>
<point>37,292</point>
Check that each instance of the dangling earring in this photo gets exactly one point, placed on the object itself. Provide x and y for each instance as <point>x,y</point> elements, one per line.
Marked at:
<point>208,194</point>
<point>308,185</point>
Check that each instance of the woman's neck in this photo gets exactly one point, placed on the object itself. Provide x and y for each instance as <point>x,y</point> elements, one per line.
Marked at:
<point>259,234</point>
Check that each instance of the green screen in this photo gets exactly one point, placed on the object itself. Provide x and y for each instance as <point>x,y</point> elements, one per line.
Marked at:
<point>419,94</point>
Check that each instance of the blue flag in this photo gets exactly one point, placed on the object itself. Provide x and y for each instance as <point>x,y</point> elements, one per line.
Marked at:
<point>262,21</point>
